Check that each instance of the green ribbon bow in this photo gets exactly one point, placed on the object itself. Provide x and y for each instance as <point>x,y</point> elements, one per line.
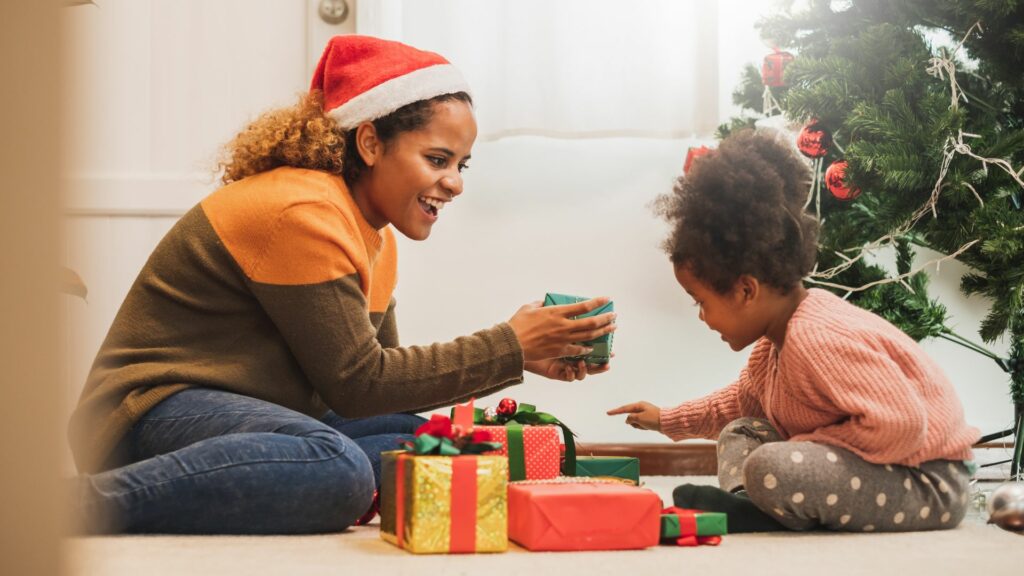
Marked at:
<point>429,444</point>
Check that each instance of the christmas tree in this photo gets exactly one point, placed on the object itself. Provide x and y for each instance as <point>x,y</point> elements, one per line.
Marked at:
<point>924,140</point>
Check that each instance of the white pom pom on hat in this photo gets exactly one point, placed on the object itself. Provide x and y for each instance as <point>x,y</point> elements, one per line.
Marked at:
<point>365,78</point>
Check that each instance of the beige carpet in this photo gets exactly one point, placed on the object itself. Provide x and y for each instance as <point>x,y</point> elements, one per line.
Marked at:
<point>972,549</point>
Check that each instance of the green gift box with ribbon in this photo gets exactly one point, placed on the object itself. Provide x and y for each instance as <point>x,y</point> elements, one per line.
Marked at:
<point>686,527</point>
<point>601,346</point>
<point>613,466</point>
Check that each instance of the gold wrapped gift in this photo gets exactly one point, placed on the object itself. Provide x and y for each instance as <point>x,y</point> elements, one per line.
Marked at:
<point>431,504</point>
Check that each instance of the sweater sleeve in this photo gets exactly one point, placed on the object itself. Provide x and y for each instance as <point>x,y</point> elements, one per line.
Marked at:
<point>387,334</point>
<point>706,417</point>
<point>326,325</point>
<point>883,417</point>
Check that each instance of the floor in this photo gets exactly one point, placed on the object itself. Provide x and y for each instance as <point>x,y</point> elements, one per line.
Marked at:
<point>972,548</point>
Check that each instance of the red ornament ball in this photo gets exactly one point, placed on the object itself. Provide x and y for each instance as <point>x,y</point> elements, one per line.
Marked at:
<point>835,178</point>
<point>692,154</point>
<point>814,140</point>
<point>507,407</point>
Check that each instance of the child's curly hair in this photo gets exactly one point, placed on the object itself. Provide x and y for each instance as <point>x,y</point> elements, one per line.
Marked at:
<point>740,211</point>
<point>303,136</point>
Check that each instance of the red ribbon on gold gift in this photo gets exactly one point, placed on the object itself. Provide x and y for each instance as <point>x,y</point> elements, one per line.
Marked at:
<point>462,532</point>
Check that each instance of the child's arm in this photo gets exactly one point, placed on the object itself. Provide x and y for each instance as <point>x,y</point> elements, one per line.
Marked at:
<point>706,417</point>
<point>642,415</point>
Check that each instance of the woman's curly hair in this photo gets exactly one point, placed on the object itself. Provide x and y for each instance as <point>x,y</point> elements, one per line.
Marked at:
<point>740,211</point>
<point>304,136</point>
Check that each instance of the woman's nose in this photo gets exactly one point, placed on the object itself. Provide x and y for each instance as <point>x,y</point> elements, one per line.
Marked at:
<point>452,183</point>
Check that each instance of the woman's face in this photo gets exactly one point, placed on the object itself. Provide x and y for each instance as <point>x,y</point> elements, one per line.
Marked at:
<point>414,176</point>
<point>730,314</point>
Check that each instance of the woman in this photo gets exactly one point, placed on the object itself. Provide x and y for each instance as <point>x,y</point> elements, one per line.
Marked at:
<point>253,374</point>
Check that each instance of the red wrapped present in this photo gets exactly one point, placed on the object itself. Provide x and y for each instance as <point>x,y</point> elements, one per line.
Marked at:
<point>577,515</point>
<point>534,452</point>
<point>773,69</point>
<point>528,438</point>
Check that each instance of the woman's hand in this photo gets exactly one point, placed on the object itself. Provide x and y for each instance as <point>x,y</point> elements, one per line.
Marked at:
<point>553,331</point>
<point>642,415</point>
<point>565,370</point>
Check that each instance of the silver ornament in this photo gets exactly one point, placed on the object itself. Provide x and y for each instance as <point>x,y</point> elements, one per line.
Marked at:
<point>1006,507</point>
<point>490,414</point>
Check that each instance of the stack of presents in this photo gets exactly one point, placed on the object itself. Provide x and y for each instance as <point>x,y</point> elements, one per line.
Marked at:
<point>472,482</point>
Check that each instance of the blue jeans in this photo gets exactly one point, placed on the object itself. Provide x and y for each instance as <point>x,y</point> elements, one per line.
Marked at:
<point>206,461</point>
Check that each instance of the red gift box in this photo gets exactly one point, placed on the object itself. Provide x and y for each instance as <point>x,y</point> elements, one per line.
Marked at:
<point>773,68</point>
<point>583,516</point>
<point>541,452</point>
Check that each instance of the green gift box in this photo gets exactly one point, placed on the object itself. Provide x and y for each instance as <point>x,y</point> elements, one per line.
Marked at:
<point>680,523</point>
<point>615,466</point>
<point>601,346</point>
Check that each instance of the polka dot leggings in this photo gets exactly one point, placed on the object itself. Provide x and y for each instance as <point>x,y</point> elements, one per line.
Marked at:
<point>806,485</point>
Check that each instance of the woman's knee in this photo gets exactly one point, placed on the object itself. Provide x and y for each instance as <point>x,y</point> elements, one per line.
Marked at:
<point>340,488</point>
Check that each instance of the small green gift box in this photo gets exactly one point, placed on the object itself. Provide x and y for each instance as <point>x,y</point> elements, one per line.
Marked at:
<point>601,346</point>
<point>681,523</point>
<point>614,466</point>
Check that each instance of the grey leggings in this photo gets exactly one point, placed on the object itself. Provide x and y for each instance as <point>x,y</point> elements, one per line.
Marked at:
<point>806,485</point>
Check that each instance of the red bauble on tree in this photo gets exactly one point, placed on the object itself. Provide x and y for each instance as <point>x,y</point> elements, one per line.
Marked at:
<point>507,407</point>
<point>835,178</point>
<point>692,154</point>
<point>774,67</point>
<point>814,140</point>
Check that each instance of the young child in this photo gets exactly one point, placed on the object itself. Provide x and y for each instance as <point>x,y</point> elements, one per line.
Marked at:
<point>839,420</point>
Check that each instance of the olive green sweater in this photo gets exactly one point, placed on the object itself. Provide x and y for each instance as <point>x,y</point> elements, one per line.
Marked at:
<point>277,288</point>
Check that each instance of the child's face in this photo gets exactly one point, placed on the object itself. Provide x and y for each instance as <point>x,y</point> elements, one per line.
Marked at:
<point>419,172</point>
<point>730,314</point>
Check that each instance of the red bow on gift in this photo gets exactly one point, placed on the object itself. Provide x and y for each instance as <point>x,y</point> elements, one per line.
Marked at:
<point>441,427</point>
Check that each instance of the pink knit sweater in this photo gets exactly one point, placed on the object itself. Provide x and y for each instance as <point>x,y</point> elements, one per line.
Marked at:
<point>844,377</point>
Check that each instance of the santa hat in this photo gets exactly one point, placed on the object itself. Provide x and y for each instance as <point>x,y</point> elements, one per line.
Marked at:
<point>365,78</point>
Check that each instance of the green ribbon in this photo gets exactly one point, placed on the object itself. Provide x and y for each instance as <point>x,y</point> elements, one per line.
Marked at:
<point>516,452</point>
<point>428,444</point>
<point>527,415</point>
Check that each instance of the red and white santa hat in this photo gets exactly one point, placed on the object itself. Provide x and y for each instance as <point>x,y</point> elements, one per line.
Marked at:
<point>365,78</point>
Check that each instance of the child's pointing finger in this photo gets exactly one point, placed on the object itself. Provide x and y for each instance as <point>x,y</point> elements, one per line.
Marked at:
<point>627,409</point>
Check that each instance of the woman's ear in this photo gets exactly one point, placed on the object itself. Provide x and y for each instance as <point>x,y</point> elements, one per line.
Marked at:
<point>368,144</point>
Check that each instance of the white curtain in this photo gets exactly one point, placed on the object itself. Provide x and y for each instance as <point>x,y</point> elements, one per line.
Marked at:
<point>572,68</point>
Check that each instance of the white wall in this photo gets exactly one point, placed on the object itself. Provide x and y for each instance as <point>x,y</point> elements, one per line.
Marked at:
<point>158,85</point>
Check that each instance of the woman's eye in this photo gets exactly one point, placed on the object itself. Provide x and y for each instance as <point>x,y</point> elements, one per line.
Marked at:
<point>463,167</point>
<point>438,161</point>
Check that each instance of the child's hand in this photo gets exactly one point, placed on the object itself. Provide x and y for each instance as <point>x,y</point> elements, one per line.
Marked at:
<point>553,331</point>
<point>642,415</point>
<point>558,369</point>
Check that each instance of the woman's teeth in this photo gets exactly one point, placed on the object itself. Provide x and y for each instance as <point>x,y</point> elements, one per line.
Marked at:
<point>434,205</point>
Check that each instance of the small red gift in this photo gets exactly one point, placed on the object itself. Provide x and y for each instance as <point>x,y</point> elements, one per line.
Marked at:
<point>774,67</point>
